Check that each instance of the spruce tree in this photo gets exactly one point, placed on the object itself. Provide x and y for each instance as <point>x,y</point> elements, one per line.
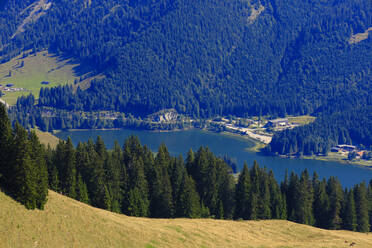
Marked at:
<point>361,203</point>
<point>38,156</point>
<point>304,211</point>
<point>349,220</point>
<point>5,148</point>
<point>137,201</point>
<point>23,181</point>
<point>69,183</point>
<point>188,200</point>
<point>242,194</point>
<point>81,190</point>
<point>264,210</point>
<point>370,204</point>
<point>277,204</point>
<point>335,196</point>
<point>321,204</point>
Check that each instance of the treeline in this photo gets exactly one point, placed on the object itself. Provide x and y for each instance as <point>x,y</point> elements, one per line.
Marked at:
<point>351,126</point>
<point>23,168</point>
<point>48,119</point>
<point>134,181</point>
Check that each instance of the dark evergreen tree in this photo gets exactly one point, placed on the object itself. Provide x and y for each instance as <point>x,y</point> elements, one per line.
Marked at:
<point>335,195</point>
<point>321,204</point>
<point>370,204</point>
<point>22,182</point>
<point>361,205</point>
<point>349,219</point>
<point>188,200</point>
<point>5,148</point>
<point>38,156</point>
<point>242,195</point>
<point>82,190</point>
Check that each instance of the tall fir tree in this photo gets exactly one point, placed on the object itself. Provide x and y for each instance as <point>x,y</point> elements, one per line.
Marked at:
<point>38,156</point>
<point>188,199</point>
<point>5,148</point>
<point>361,203</point>
<point>335,195</point>
<point>370,204</point>
<point>82,190</point>
<point>349,219</point>
<point>242,194</point>
<point>23,181</point>
<point>321,204</point>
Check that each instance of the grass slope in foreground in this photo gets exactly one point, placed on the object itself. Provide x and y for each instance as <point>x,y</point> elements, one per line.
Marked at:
<point>69,223</point>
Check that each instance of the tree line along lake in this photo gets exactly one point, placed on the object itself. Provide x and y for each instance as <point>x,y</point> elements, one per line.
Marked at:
<point>179,142</point>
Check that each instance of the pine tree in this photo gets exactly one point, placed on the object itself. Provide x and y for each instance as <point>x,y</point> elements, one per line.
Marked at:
<point>277,204</point>
<point>81,190</point>
<point>161,199</point>
<point>106,199</point>
<point>188,200</point>
<point>5,148</point>
<point>361,203</point>
<point>69,183</point>
<point>38,157</point>
<point>305,200</point>
<point>138,199</point>
<point>335,195</point>
<point>292,196</point>
<point>23,182</point>
<point>370,204</point>
<point>242,194</point>
<point>178,173</point>
<point>264,211</point>
<point>255,190</point>
<point>321,204</point>
<point>349,213</point>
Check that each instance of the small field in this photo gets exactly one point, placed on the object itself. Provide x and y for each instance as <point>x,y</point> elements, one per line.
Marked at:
<point>29,72</point>
<point>68,223</point>
<point>47,138</point>
<point>302,120</point>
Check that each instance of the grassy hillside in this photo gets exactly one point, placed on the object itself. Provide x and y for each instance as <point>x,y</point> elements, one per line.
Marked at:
<point>36,69</point>
<point>68,223</point>
<point>47,138</point>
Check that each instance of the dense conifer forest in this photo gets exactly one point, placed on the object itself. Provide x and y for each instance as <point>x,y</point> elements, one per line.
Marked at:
<point>134,181</point>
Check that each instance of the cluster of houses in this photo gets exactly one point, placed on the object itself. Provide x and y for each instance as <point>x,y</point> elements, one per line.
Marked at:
<point>10,88</point>
<point>346,149</point>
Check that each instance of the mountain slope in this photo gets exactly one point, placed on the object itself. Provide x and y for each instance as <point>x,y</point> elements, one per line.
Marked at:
<point>69,223</point>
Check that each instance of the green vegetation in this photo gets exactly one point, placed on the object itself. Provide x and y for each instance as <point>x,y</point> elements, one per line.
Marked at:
<point>23,168</point>
<point>29,71</point>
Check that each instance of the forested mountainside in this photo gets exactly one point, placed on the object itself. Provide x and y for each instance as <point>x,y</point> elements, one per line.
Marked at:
<point>202,58</point>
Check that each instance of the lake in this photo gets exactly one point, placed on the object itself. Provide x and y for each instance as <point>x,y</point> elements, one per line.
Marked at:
<point>179,142</point>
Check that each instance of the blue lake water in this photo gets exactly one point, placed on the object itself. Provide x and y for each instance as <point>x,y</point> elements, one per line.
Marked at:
<point>181,141</point>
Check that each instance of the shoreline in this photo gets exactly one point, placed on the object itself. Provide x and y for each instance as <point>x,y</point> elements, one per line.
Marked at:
<point>256,147</point>
<point>363,164</point>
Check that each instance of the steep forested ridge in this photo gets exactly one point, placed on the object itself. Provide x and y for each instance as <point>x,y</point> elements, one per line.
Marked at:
<point>205,58</point>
